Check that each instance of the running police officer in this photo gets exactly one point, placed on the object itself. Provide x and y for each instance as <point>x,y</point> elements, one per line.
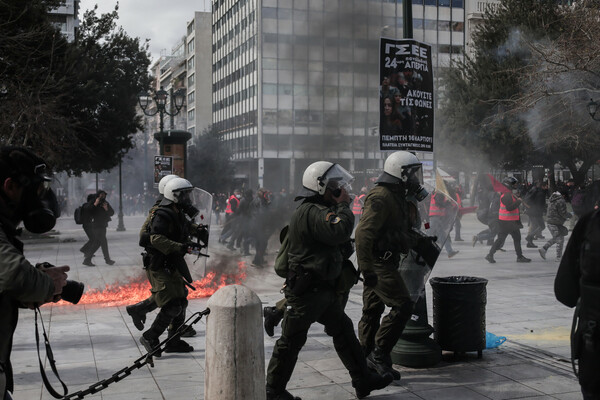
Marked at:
<point>318,227</point>
<point>383,235</point>
<point>166,267</point>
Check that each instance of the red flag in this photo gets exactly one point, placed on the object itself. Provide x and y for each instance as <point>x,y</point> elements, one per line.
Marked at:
<point>498,187</point>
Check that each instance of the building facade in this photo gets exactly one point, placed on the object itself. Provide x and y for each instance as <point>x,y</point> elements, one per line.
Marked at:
<point>296,81</point>
<point>65,17</point>
<point>199,75</point>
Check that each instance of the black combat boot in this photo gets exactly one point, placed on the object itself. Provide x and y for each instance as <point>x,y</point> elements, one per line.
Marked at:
<point>380,361</point>
<point>188,331</point>
<point>272,318</point>
<point>139,310</point>
<point>177,345</point>
<point>150,343</point>
<point>372,381</point>
<point>273,394</point>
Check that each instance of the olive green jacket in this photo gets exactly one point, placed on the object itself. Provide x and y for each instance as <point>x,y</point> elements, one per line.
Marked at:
<point>384,226</point>
<point>316,233</point>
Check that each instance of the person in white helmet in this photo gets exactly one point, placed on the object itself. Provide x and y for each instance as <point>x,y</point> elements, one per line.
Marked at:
<point>383,235</point>
<point>317,230</point>
<point>139,310</point>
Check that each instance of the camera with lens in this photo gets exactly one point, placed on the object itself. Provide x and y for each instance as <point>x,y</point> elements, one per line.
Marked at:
<point>72,291</point>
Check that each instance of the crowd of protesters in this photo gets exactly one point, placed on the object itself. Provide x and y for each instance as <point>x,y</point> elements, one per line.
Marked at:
<point>250,219</point>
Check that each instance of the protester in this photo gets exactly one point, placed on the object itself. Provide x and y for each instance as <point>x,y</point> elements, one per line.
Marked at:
<point>557,215</point>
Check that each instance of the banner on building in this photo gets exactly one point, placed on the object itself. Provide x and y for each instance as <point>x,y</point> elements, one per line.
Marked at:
<point>406,95</point>
<point>163,165</point>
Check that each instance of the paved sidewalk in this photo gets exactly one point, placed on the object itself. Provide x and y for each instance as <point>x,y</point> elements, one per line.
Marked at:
<point>91,342</point>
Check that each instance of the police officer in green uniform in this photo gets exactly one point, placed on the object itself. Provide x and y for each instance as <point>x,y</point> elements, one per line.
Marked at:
<point>169,232</point>
<point>318,227</point>
<point>347,279</point>
<point>383,235</point>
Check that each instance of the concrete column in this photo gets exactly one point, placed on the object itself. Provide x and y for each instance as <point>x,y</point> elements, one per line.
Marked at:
<point>235,359</point>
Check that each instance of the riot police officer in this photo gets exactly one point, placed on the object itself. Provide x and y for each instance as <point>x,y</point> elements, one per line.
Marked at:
<point>318,227</point>
<point>383,235</point>
<point>166,267</point>
<point>139,310</point>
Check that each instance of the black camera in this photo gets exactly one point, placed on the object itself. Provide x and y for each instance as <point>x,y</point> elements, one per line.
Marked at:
<point>72,291</point>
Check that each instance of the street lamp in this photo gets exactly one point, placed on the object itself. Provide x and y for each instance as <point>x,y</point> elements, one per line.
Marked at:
<point>592,109</point>
<point>120,226</point>
<point>160,98</point>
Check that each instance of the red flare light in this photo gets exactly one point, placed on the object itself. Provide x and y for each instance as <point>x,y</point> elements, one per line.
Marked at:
<point>138,289</point>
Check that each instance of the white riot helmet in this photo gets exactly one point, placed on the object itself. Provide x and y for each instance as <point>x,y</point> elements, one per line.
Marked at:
<point>163,182</point>
<point>402,167</point>
<point>177,190</point>
<point>322,175</point>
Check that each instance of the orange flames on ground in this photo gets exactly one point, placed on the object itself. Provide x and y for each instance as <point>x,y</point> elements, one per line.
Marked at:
<point>139,289</point>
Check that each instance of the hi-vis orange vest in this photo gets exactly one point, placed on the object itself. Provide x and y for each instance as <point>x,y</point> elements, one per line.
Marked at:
<point>504,214</point>
<point>434,210</point>
<point>357,205</point>
<point>229,210</point>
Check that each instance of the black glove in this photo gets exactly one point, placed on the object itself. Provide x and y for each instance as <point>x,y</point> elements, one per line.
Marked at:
<point>369,278</point>
<point>185,247</point>
<point>202,234</point>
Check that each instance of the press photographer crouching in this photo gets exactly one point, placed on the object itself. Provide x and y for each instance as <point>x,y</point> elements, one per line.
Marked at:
<point>24,197</point>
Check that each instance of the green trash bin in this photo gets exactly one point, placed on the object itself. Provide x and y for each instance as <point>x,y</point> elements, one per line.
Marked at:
<point>459,313</point>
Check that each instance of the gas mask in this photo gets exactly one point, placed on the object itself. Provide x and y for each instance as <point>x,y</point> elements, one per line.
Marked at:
<point>185,204</point>
<point>38,211</point>
<point>413,185</point>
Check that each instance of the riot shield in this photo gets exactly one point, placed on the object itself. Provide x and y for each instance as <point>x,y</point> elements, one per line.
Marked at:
<point>432,230</point>
<point>202,201</point>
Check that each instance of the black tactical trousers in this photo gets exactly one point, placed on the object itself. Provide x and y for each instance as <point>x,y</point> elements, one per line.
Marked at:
<point>322,306</point>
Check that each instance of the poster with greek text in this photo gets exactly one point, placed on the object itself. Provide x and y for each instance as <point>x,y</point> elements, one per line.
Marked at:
<point>163,165</point>
<point>405,95</point>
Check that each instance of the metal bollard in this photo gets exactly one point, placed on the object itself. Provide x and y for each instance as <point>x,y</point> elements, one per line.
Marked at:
<point>235,358</point>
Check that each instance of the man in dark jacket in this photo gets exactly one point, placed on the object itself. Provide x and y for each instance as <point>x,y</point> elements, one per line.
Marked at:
<point>577,283</point>
<point>86,216</point>
<point>557,215</point>
<point>22,198</point>
<point>318,227</point>
<point>535,201</point>
<point>101,213</point>
<point>509,221</point>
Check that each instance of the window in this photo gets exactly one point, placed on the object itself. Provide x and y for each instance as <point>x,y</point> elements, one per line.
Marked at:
<point>269,12</point>
<point>191,80</point>
<point>191,63</point>
<point>191,115</point>
<point>457,3</point>
<point>458,26</point>
<point>191,46</point>
<point>191,97</point>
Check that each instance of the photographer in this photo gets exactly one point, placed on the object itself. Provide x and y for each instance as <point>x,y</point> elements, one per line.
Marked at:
<point>23,197</point>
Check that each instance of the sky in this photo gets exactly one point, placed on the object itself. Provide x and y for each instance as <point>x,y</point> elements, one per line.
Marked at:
<point>163,22</point>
